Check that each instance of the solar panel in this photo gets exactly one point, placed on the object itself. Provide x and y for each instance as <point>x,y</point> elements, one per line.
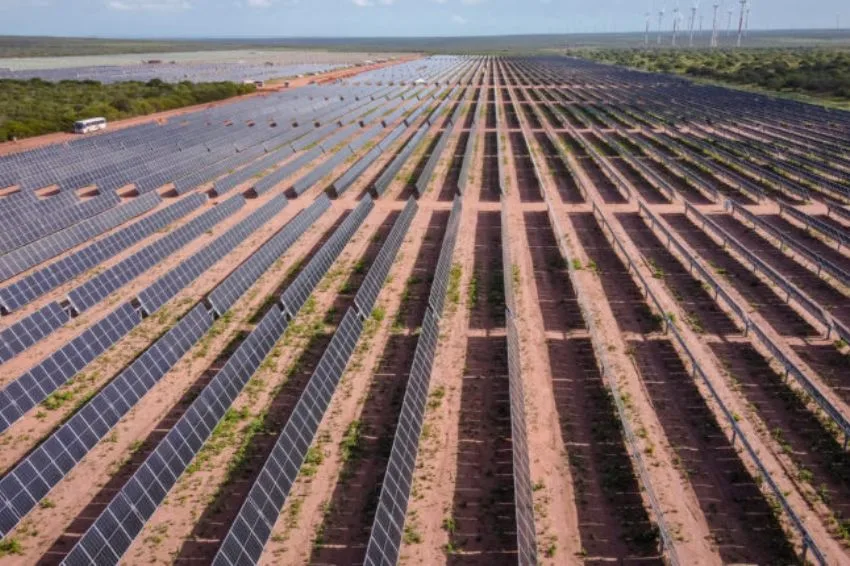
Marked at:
<point>442,273</point>
<point>523,493</point>
<point>223,297</point>
<point>252,527</point>
<point>33,387</point>
<point>24,258</point>
<point>21,489</point>
<point>97,288</point>
<point>466,164</point>
<point>167,286</point>
<point>297,293</point>
<point>32,286</point>
<point>369,290</point>
<point>24,333</point>
<point>388,525</point>
<point>318,173</point>
<point>430,165</point>
<point>122,520</point>
<point>398,162</point>
<point>344,182</point>
<point>271,180</point>
<point>126,514</point>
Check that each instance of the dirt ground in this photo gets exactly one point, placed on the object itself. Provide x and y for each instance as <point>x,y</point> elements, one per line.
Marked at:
<point>626,440</point>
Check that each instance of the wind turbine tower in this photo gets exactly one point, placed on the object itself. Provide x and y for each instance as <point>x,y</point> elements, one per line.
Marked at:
<point>660,21</point>
<point>741,21</point>
<point>675,24</point>
<point>646,33</point>
<point>729,23</point>
<point>693,21</point>
<point>714,25</point>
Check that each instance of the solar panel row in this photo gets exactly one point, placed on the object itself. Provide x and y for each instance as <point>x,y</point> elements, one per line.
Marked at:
<point>229,290</point>
<point>344,182</point>
<point>166,287</point>
<point>297,293</point>
<point>30,389</point>
<point>430,165</point>
<point>126,514</point>
<point>271,180</point>
<point>122,520</point>
<point>440,284</point>
<point>400,159</point>
<point>23,230</point>
<point>23,334</point>
<point>523,492</point>
<point>466,164</point>
<point>100,286</point>
<point>197,178</point>
<point>40,282</point>
<point>253,525</point>
<point>388,525</point>
<point>367,295</point>
<point>318,173</point>
<point>21,259</point>
<point>256,169</point>
<point>42,469</point>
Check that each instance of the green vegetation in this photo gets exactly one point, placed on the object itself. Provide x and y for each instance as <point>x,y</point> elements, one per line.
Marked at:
<point>822,74</point>
<point>9,546</point>
<point>35,107</point>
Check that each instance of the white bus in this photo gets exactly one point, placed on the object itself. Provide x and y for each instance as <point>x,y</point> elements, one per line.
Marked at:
<point>89,125</point>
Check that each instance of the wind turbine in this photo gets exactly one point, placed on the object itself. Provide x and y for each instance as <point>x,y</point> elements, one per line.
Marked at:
<point>729,23</point>
<point>741,21</point>
<point>691,25</point>
<point>714,25</point>
<point>646,33</point>
<point>675,24</point>
<point>660,21</point>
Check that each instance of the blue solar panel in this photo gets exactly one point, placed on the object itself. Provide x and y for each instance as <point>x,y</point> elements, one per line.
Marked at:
<point>30,389</point>
<point>167,286</point>
<point>99,287</point>
<point>223,297</point>
<point>20,490</point>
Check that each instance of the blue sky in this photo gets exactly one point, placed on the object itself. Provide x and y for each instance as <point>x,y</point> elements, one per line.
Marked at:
<point>288,18</point>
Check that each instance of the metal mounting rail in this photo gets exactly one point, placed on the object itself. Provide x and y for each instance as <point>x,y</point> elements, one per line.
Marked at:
<point>822,264</point>
<point>601,356</point>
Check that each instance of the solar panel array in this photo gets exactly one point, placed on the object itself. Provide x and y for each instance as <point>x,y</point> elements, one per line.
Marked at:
<point>30,389</point>
<point>440,285</point>
<point>125,515</point>
<point>43,468</point>
<point>256,169</point>
<point>21,259</point>
<point>430,165</point>
<point>367,295</point>
<point>167,286</point>
<point>253,525</point>
<point>842,237</point>
<point>318,173</point>
<point>388,525</point>
<point>100,286</point>
<point>523,492</point>
<point>344,182</point>
<point>23,334</point>
<point>45,279</point>
<point>466,164</point>
<point>399,160</point>
<point>223,297</point>
<point>297,293</point>
<point>271,180</point>
<point>25,229</point>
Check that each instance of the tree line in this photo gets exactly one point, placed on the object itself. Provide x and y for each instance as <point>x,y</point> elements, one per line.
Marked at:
<point>35,107</point>
<point>823,73</point>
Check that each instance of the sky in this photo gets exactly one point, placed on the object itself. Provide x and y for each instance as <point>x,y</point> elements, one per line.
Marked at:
<point>372,18</point>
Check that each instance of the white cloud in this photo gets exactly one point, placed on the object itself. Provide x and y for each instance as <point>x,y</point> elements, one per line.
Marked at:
<point>258,3</point>
<point>364,3</point>
<point>149,5</point>
<point>458,19</point>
